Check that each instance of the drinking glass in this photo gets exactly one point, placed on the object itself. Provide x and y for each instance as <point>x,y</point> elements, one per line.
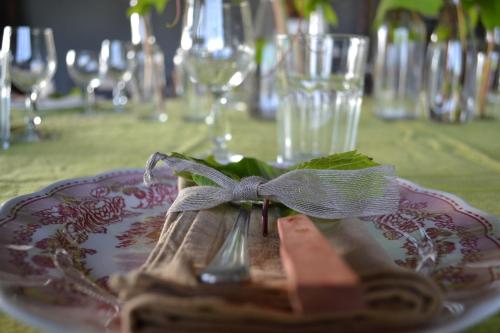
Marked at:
<point>83,68</point>
<point>320,84</point>
<point>218,52</point>
<point>32,65</point>
<point>116,64</point>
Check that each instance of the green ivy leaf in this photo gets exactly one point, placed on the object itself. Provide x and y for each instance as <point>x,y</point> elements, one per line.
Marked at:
<point>425,7</point>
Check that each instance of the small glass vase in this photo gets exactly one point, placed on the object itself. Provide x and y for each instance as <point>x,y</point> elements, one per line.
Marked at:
<point>398,65</point>
<point>450,67</point>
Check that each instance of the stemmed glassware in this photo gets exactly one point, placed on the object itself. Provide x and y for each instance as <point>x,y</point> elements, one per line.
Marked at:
<point>32,65</point>
<point>83,68</point>
<point>218,51</point>
<point>116,64</point>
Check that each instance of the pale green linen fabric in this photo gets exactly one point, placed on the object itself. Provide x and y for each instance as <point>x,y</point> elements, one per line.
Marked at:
<point>461,159</point>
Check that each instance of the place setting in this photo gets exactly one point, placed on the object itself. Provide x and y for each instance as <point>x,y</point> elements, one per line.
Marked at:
<point>276,169</point>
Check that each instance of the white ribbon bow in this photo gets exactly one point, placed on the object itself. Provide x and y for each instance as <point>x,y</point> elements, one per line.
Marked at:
<point>329,194</point>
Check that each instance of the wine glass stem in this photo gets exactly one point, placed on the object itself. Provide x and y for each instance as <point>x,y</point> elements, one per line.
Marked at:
<point>32,117</point>
<point>89,99</point>
<point>219,129</point>
<point>119,98</point>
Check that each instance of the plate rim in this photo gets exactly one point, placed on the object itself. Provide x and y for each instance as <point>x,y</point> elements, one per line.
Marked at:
<point>477,313</point>
<point>45,191</point>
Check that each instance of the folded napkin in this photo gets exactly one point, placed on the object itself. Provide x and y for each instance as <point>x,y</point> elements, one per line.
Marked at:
<point>165,296</point>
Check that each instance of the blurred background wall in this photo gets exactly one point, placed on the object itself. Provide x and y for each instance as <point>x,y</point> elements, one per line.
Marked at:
<point>83,24</point>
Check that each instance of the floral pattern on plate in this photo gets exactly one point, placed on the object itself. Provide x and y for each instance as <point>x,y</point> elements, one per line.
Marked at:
<point>109,223</point>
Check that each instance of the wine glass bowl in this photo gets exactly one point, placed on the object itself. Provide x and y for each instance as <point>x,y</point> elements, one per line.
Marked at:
<point>221,70</point>
<point>83,68</point>
<point>32,65</point>
<point>33,57</point>
<point>116,63</point>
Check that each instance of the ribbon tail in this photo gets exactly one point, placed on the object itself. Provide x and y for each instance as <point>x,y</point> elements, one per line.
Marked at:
<point>333,194</point>
<point>200,197</point>
<point>149,178</point>
<point>181,165</point>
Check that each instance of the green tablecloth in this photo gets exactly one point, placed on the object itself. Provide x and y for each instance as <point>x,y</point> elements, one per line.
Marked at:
<point>461,159</point>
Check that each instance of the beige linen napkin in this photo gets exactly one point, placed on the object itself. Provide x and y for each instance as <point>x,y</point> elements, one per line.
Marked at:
<point>164,295</point>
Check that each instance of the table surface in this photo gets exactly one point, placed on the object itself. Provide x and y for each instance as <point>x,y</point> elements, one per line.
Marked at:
<point>461,159</point>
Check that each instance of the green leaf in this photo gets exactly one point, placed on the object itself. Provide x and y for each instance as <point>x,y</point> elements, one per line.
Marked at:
<point>473,13</point>
<point>489,13</point>
<point>343,161</point>
<point>249,166</point>
<point>425,7</point>
<point>330,15</point>
<point>144,7</point>
<point>259,50</point>
<point>351,160</point>
<point>246,167</point>
<point>306,7</point>
<point>202,181</point>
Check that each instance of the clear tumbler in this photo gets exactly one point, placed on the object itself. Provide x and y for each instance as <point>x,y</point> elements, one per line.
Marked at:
<point>320,84</point>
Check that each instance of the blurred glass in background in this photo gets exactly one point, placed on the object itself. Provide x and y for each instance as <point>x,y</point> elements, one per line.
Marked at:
<point>218,51</point>
<point>32,64</point>
<point>488,76</point>
<point>494,91</point>
<point>320,89</point>
<point>450,67</point>
<point>116,64</point>
<point>4,98</point>
<point>83,68</point>
<point>148,77</point>
<point>271,19</point>
<point>195,97</point>
<point>398,65</point>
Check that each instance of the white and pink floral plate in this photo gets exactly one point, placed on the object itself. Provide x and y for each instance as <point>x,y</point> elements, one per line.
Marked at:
<point>108,223</point>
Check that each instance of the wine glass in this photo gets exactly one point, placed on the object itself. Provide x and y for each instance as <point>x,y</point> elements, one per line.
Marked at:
<point>116,64</point>
<point>218,52</point>
<point>83,68</point>
<point>32,65</point>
